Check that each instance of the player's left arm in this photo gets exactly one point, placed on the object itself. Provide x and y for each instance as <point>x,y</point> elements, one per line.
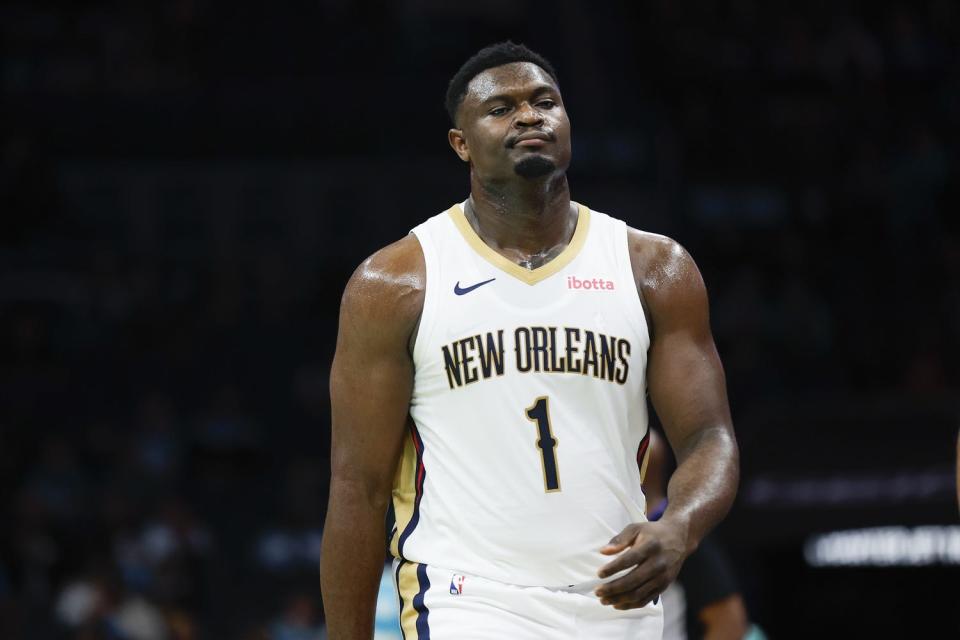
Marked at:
<point>688,391</point>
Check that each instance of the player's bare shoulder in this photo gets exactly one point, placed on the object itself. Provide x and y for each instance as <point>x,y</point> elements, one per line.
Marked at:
<point>666,275</point>
<point>384,296</point>
<point>658,260</point>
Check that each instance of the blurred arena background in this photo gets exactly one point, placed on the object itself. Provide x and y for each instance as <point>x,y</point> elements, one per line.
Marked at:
<point>186,186</point>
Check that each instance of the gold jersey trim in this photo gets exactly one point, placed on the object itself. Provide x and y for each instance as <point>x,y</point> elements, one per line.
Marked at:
<point>408,586</point>
<point>404,493</point>
<point>529,276</point>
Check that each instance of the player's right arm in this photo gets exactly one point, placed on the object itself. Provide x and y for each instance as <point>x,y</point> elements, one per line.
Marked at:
<point>370,385</point>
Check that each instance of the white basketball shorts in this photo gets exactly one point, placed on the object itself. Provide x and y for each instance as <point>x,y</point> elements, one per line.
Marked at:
<point>442,604</point>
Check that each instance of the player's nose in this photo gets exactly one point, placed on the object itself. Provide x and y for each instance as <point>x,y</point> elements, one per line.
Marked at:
<point>527,115</point>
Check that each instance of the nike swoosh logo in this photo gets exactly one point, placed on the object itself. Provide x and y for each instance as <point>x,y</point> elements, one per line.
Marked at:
<point>457,289</point>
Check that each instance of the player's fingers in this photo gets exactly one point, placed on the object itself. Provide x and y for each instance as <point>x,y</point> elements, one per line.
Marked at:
<point>625,560</point>
<point>622,540</point>
<point>630,558</point>
<point>648,571</point>
<point>639,601</point>
<point>638,597</point>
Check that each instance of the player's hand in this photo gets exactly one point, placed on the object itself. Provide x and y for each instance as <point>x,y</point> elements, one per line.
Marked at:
<point>654,550</point>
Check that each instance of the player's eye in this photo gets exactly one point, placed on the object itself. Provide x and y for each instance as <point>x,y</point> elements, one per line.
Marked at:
<point>498,111</point>
<point>547,104</point>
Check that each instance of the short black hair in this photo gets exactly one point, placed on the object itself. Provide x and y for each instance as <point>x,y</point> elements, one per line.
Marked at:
<point>487,58</point>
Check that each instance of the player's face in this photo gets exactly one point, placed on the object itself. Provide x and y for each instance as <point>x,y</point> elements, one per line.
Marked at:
<point>512,122</point>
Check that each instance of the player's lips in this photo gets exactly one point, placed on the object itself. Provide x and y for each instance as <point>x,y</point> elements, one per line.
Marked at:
<point>531,139</point>
<point>532,142</point>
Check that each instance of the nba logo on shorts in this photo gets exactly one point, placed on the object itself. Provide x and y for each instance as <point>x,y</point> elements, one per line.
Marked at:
<point>456,584</point>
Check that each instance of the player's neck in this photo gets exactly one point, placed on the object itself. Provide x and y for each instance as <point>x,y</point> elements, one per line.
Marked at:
<point>530,216</point>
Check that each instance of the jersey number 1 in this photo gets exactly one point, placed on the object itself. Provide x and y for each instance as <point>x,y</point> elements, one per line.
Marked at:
<point>546,442</point>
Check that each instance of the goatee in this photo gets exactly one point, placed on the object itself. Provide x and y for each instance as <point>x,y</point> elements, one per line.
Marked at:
<point>534,167</point>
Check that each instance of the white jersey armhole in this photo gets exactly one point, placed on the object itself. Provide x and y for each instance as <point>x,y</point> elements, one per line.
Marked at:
<point>428,314</point>
<point>632,295</point>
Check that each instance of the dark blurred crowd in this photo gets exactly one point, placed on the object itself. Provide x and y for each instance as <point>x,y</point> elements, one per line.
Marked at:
<point>185,189</point>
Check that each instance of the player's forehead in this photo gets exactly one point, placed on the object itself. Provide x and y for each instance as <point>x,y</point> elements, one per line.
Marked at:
<point>507,79</point>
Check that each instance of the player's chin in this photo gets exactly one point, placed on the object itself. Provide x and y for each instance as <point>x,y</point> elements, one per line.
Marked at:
<point>535,165</point>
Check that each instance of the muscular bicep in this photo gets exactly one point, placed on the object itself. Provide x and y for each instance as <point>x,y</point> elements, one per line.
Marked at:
<point>370,393</point>
<point>372,377</point>
<point>685,376</point>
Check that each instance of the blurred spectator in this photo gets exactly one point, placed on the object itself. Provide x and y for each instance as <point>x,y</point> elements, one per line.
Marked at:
<point>98,606</point>
<point>175,546</point>
<point>158,448</point>
<point>299,620</point>
<point>57,485</point>
<point>37,552</point>
<point>226,428</point>
<point>182,625</point>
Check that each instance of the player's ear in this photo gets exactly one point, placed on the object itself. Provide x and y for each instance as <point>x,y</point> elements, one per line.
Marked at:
<point>459,144</point>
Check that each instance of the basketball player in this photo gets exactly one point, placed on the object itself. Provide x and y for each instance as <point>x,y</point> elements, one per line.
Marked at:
<point>491,371</point>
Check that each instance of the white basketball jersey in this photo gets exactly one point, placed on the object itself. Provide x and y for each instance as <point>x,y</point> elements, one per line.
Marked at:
<point>528,412</point>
